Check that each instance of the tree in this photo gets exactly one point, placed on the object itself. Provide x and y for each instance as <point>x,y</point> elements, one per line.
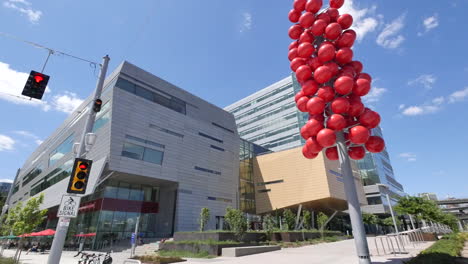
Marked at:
<point>24,219</point>
<point>236,221</point>
<point>289,219</point>
<point>306,219</point>
<point>204,217</point>
<point>269,225</point>
<point>369,219</point>
<point>322,220</point>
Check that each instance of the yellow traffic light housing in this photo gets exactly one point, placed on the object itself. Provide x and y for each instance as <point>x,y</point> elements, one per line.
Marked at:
<point>79,176</point>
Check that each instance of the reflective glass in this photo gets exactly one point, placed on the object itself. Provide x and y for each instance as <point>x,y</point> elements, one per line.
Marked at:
<point>64,148</point>
<point>133,151</point>
<point>153,156</point>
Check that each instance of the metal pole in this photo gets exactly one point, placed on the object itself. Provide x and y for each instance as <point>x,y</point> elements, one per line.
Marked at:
<point>354,207</point>
<point>394,222</point>
<point>62,225</point>
<point>412,223</point>
<point>136,237</point>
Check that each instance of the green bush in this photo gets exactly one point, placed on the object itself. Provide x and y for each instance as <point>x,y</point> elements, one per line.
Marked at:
<point>204,242</point>
<point>184,254</point>
<point>289,219</point>
<point>236,221</point>
<point>443,251</point>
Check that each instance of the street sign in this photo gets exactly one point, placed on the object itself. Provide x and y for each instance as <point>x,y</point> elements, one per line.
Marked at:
<point>69,206</point>
<point>133,238</point>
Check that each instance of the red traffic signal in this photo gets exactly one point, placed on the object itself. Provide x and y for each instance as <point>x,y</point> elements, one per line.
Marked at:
<point>97,105</point>
<point>79,176</point>
<point>35,85</point>
<point>83,166</point>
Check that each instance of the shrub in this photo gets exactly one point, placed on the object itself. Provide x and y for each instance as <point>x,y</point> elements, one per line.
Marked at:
<point>237,222</point>
<point>204,217</point>
<point>289,219</point>
<point>306,220</point>
<point>269,225</point>
<point>442,251</point>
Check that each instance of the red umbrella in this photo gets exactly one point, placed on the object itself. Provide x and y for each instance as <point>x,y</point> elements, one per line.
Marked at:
<point>89,234</point>
<point>25,235</point>
<point>47,232</point>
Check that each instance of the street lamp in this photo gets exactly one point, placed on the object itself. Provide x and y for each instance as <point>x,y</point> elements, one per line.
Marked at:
<point>392,213</point>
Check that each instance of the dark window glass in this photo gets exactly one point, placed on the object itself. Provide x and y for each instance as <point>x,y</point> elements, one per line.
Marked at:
<point>64,148</point>
<point>144,93</point>
<point>153,156</point>
<point>133,151</point>
<point>210,137</point>
<point>126,85</point>
<point>217,148</point>
<point>264,191</point>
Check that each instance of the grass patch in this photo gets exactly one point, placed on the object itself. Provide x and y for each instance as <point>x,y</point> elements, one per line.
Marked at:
<point>6,260</point>
<point>303,243</point>
<point>184,254</point>
<point>204,242</point>
<point>155,259</point>
<point>443,251</point>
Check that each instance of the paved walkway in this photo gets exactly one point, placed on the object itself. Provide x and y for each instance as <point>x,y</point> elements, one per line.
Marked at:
<point>342,252</point>
<point>465,250</point>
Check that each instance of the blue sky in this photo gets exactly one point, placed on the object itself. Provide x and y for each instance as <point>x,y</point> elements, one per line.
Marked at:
<point>225,50</point>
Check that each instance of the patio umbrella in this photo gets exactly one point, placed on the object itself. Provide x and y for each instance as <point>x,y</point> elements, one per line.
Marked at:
<point>47,232</point>
<point>9,237</point>
<point>89,235</point>
<point>25,235</point>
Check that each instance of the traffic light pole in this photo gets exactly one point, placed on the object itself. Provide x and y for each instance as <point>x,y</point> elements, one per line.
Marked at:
<point>354,207</point>
<point>63,223</point>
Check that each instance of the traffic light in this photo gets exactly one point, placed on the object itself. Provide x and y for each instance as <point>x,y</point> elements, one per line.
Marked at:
<point>35,85</point>
<point>79,176</point>
<point>97,105</point>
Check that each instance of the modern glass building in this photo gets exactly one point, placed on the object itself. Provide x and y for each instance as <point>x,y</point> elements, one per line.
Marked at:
<point>161,155</point>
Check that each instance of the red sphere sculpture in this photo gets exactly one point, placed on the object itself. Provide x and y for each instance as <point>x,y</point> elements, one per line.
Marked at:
<point>307,19</point>
<point>299,5</point>
<point>294,15</point>
<point>375,144</point>
<point>313,6</point>
<point>357,153</point>
<point>326,93</point>
<point>295,31</point>
<point>336,122</point>
<point>326,52</point>
<point>308,154</point>
<point>340,105</point>
<point>333,31</point>
<point>305,50</point>
<point>315,105</point>
<point>302,103</point>
<point>336,3</point>
<point>345,21</point>
<point>310,87</point>
<point>303,73</point>
<point>344,55</point>
<point>362,87</point>
<point>318,27</point>
<point>332,153</point>
<point>326,137</point>
<point>344,85</point>
<point>296,63</point>
<point>359,135</point>
<point>370,119</point>
<point>313,145</point>
<point>322,74</point>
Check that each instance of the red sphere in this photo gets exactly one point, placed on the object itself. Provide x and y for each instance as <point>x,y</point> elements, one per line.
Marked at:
<point>332,153</point>
<point>318,28</point>
<point>307,19</point>
<point>307,153</point>
<point>296,62</point>
<point>344,55</point>
<point>318,117</point>
<point>357,153</point>
<point>324,16</point>
<point>299,5</point>
<point>310,87</point>
<point>326,52</point>
<point>340,105</point>
<point>356,108</point>
<point>359,134</point>
<point>333,31</point>
<point>293,45</point>
<point>326,93</point>
<point>306,37</point>
<point>365,76</point>
<point>336,122</point>
<point>298,95</point>
<point>345,21</point>
<point>312,127</point>
<point>303,73</point>
<point>305,50</point>
<point>361,87</point>
<point>315,105</point>
<point>375,144</point>
<point>313,146</point>
<point>322,74</point>
<point>346,40</point>
<point>344,85</point>
<point>351,121</point>
<point>357,66</point>
<point>370,119</point>
<point>334,68</point>
<point>294,15</point>
<point>295,31</point>
<point>354,98</point>
<point>333,13</point>
<point>313,6</point>
<point>326,137</point>
<point>336,3</point>
<point>302,103</point>
<point>314,63</point>
<point>292,54</point>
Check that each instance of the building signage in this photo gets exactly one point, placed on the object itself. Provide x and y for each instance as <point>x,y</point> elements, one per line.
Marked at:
<point>69,206</point>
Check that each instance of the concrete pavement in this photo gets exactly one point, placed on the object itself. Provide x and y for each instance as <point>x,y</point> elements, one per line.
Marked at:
<point>342,252</point>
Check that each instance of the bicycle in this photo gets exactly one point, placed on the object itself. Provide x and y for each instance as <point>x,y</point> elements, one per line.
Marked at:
<point>84,257</point>
<point>93,258</point>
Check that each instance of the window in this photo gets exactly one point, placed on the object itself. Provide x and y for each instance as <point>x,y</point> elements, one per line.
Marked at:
<point>138,152</point>
<point>64,148</point>
<point>207,170</point>
<point>210,137</point>
<point>220,126</point>
<point>167,131</point>
<point>217,148</point>
<point>32,175</point>
<point>264,191</point>
<point>269,182</point>
<point>126,85</point>
<point>53,177</point>
<point>149,142</point>
<point>140,91</point>
<point>133,151</point>
<point>374,200</point>
<point>100,122</point>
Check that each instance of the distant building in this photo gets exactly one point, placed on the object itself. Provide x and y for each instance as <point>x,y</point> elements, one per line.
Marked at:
<point>5,186</point>
<point>457,207</point>
<point>429,196</point>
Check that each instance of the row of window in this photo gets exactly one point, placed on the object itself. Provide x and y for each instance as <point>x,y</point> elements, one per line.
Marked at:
<point>261,98</point>
<point>284,142</point>
<point>145,141</point>
<point>159,97</point>
<point>138,152</point>
<point>266,105</point>
<point>216,147</point>
<point>167,131</point>
<point>64,148</point>
<point>207,170</point>
<point>275,132</point>
<point>267,125</point>
<point>210,137</point>
<point>269,182</point>
<point>220,126</point>
<point>256,118</point>
<point>219,199</point>
<point>53,177</point>
<point>32,174</point>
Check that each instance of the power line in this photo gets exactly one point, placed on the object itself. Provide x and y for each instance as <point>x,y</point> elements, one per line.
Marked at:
<point>51,51</point>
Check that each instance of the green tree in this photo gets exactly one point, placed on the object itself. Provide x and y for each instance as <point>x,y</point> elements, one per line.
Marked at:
<point>306,219</point>
<point>322,221</point>
<point>289,219</point>
<point>204,217</point>
<point>24,219</point>
<point>236,221</point>
<point>369,219</point>
<point>269,225</point>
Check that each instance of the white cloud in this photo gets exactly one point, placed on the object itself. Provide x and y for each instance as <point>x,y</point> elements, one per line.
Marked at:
<point>401,106</point>
<point>38,141</point>
<point>12,84</point>
<point>458,95</point>
<point>431,22</point>
<point>390,37</point>
<point>364,20</point>
<point>408,156</point>
<point>28,134</point>
<point>6,143</point>
<point>246,22</point>
<point>24,7</point>
<point>6,180</point>
<point>426,80</point>
<point>67,102</point>
<point>421,110</point>
<point>438,101</point>
<point>374,95</point>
